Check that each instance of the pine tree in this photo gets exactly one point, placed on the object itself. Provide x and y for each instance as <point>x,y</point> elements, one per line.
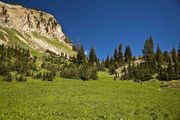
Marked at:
<point>166,56</point>
<point>175,60</point>
<point>179,53</point>
<point>174,55</point>
<point>107,62</point>
<point>170,70</point>
<point>120,55</point>
<point>128,54</point>
<point>92,56</point>
<point>111,61</point>
<point>81,57</point>
<point>159,58</point>
<point>115,55</point>
<point>148,52</point>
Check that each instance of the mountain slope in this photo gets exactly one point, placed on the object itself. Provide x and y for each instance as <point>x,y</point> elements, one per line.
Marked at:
<point>32,29</point>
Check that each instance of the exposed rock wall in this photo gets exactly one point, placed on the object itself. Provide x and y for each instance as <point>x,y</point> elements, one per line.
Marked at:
<point>29,20</point>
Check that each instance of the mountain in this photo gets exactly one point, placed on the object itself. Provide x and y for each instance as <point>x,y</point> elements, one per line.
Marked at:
<point>33,29</point>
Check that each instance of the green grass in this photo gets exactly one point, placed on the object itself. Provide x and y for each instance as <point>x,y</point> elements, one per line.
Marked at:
<point>13,39</point>
<point>101,99</point>
<point>55,42</point>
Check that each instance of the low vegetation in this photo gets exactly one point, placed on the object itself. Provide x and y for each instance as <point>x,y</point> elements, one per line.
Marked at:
<point>99,99</point>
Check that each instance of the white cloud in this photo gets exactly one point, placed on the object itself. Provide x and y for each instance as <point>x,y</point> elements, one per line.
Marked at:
<point>86,52</point>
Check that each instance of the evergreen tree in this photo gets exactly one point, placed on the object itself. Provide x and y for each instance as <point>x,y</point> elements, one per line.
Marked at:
<point>175,60</point>
<point>159,58</point>
<point>179,53</point>
<point>148,52</point>
<point>107,62</point>
<point>92,56</point>
<point>174,55</point>
<point>128,54</point>
<point>166,56</point>
<point>120,55</point>
<point>115,55</point>
<point>112,69</point>
<point>170,70</point>
<point>81,57</point>
<point>111,61</point>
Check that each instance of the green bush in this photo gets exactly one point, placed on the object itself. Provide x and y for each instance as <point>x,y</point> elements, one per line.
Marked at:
<point>8,78</point>
<point>83,72</point>
<point>48,76</point>
<point>20,78</point>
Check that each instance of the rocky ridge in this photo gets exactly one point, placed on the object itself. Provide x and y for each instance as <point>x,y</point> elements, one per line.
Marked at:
<point>36,29</point>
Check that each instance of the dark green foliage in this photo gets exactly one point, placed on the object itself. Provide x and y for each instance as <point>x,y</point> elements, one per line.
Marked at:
<point>92,56</point>
<point>20,78</point>
<point>159,58</point>
<point>50,76</point>
<point>149,55</point>
<point>171,71</point>
<point>120,55</point>
<point>167,57</point>
<point>178,57</point>
<point>115,55</point>
<point>69,71</point>
<point>37,76</point>
<point>136,73</point>
<point>101,66</point>
<point>8,78</point>
<point>15,58</point>
<point>74,48</point>
<point>128,54</point>
<point>107,62</point>
<point>83,71</point>
<point>112,69</point>
<point>81,57</point>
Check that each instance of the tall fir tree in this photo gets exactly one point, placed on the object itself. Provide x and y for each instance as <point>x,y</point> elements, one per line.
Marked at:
<point>115,55</point>
<point>174,55</point>
<point>175,60</point>
<point>159,58</point>
<point>92,56</point>
<point>120,55</point>
<point>81,57</point>
<point>166,56</point>
<point>148,53</point>
<point>107,62</point>
<point>178,53</point>
<point>128,54</point>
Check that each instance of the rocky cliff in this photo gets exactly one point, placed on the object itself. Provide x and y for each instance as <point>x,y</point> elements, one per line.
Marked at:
<point>34,29</point>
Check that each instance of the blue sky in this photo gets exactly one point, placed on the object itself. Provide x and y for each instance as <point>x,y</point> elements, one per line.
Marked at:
<point>103,24</point>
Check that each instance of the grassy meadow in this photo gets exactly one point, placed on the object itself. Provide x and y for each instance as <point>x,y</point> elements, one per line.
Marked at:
<point>65,99</point>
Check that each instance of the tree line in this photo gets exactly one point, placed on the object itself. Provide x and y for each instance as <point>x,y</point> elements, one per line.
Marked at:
<point>17,63</point>
<point>159,64</point>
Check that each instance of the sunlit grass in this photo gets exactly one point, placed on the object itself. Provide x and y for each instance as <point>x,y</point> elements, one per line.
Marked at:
<point>96,99</point>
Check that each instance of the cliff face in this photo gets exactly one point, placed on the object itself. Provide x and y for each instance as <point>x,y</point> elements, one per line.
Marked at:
<point>37,29</point>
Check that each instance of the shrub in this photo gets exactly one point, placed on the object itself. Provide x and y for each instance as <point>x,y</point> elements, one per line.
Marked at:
<point>37,76</point>
<point>112,70</point>
<point>8,78</point>
<point>49,76</point>
<point>83,72</point>
<point>21,78</point>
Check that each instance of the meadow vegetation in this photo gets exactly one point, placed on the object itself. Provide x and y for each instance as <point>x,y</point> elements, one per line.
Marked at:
<point>106,98</point>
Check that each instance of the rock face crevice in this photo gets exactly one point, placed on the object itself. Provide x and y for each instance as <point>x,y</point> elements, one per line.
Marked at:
<point>29,20</point>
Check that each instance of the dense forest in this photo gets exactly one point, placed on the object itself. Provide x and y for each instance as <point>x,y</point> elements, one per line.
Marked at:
<point>17,63</point>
